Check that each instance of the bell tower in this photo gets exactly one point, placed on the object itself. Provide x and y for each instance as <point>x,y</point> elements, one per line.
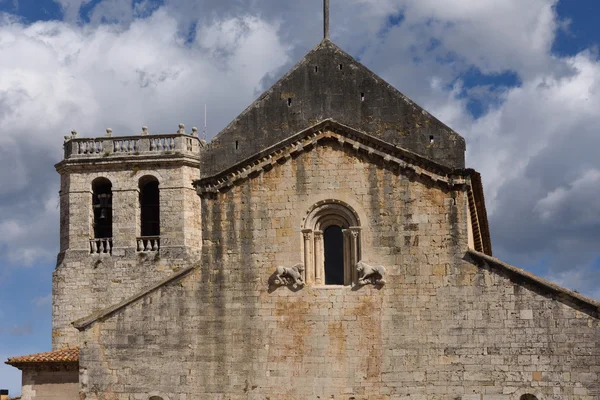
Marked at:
<point>129,215</point>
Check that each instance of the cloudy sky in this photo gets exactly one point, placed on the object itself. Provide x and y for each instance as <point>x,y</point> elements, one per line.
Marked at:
<point>518,79</point>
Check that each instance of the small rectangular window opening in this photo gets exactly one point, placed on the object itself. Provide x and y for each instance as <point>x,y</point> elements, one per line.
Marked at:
<point>316,68</point>
<point>341,67</point>
<point>431,139</point>
<point>362,97</point>
<point>289,101</point>
<point>237,145</point>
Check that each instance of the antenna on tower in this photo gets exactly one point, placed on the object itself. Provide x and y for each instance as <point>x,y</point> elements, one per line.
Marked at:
<point>326,19</point>
<point>205,124</point>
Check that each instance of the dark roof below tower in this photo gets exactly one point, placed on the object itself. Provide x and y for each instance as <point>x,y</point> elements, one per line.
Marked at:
<point>329,83</point>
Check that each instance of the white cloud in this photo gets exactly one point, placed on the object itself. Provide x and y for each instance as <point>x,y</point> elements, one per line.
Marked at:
<point>42,301</point>
<point>585,189</point>
<point>492,35</point>
<point>29,233</point>
<point>55,76</point>
<point>71,8</point>
<point>536,148</point>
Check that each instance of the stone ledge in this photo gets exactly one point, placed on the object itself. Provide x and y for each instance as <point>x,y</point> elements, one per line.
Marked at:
<point>85,322</point>
<point>562,294</point>
<point>330,129</point>
<point>124,161</point>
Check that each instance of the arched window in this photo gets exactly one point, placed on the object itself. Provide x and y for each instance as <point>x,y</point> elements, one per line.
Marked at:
<point>149,214</point>
<point>331,244</point>
<point>102,216</point>
<point>528,397</point>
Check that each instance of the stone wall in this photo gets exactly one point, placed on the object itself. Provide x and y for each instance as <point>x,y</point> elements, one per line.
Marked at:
<point>50,385</point>
<point>84,282</point>
<point>440,328</point>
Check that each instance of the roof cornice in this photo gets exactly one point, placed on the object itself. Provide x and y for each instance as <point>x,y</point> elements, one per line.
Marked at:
<point>125,162</point>
<point>330,129</point>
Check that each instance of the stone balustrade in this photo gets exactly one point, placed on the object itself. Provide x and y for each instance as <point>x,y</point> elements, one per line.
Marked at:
<point>175,143</point>
<point>146,244</point>
<point>101,246</point>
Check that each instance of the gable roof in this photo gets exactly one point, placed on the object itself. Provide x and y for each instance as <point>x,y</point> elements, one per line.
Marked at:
<point>373,147</point>
<point>52,357</point>
<point>329,83</point>
<point>522,277</point>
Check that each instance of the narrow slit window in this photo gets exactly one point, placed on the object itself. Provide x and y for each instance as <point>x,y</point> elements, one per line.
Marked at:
<point>289,101</point>
<point>237,145</point>
<point>431,139</point>
<point>316,69</point>
<point>341,66</point>
<point>362,97</point>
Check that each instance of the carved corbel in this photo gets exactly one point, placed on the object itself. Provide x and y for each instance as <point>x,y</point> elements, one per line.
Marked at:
<point>370,275</point>
<point>289,276</point>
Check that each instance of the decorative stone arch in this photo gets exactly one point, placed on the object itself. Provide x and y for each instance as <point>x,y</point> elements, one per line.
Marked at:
<point>158,396</point>
<point>149,199</point>
<point>321,216</point>
<point>101,189</point>
<point>149,205</point>
<point>527,394</point>
<point>143,173</point>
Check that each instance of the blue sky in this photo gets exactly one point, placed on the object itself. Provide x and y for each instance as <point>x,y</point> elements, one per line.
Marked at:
<point>522,84</point>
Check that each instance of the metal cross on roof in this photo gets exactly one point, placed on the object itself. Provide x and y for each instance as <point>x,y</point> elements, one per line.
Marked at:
<point>326,18</point>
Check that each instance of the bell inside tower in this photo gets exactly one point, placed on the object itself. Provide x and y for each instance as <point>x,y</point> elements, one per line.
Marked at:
<point>102,206</point>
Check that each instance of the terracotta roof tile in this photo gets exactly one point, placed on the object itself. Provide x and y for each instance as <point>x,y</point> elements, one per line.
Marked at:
<point>58,356</point>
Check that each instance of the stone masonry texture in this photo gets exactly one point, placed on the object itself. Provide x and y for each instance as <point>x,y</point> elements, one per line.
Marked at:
<point>50,384</point>
<point>83,283</point>
<point>442,327</point>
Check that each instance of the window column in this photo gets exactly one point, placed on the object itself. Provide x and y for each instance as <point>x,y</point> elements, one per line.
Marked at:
<point>309,270</point>
<point>319,258</point>
<point>354,251</point>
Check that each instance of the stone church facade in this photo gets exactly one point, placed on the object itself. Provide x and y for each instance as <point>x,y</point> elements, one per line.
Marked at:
<point>328,244</point>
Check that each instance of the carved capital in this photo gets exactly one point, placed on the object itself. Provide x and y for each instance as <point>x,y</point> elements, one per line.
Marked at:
<point>306,233</point>
<point>368,274</point>
<point>354,231</point>
<point>288,276</point>
<point>318,234</point>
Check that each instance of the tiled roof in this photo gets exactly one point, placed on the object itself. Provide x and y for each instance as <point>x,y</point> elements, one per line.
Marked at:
<point>58,356</point>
